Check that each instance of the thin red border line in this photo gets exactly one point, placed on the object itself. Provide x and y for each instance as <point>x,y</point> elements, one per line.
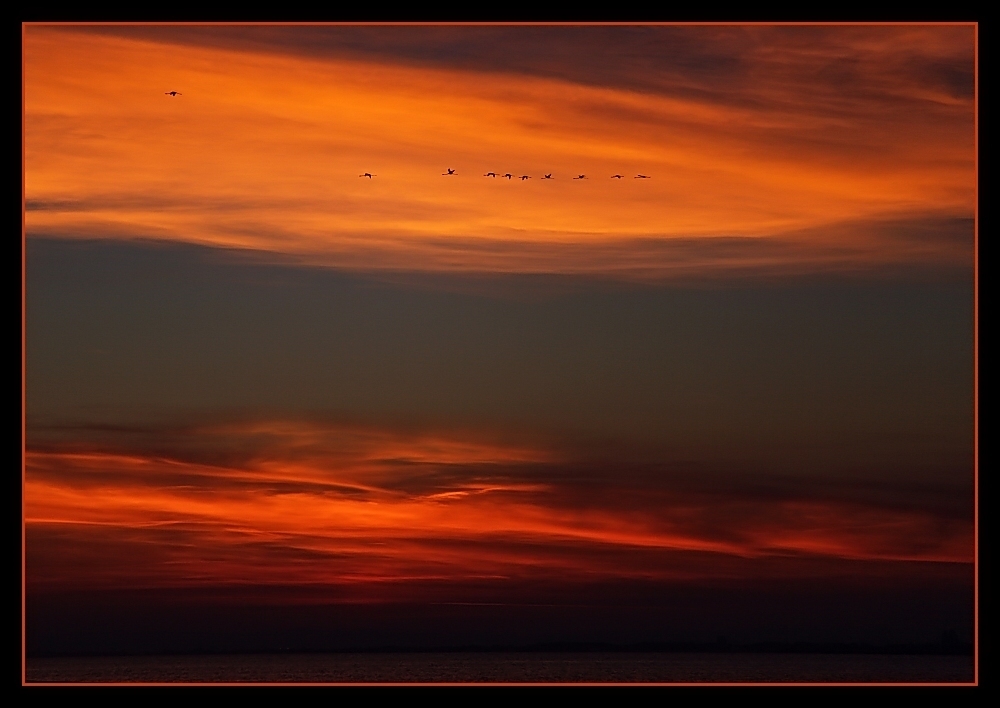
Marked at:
<point>502,24</point>
<point>975,27</point>
<point>498,683</point>
<point>975,358</point>
<point>24,363</point>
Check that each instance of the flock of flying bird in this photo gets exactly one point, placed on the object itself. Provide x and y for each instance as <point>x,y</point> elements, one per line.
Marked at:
<point>509,176</point>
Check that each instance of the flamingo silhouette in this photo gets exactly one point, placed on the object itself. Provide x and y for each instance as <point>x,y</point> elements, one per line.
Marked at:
<point>580,177</point>
<point>369,175</point>
<point>642,177</point>
<point>173,93</point>
<point>449,172</point>
<point>508,175</point>
<point>490,174</point>
<point>524,177</point>
<point>548,176</point>
<point>616,176</point>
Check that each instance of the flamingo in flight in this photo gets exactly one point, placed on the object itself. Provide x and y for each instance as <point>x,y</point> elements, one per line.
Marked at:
<point>642,177</point>
<point>369,175</point>
<point>508,175</point>
<point>524,177</point>
<point>173,93</point>
<point>616,176</point>
<point>490,174</point>
<point>449,172</point>
<point>548,176</point>
<point>580,177</point>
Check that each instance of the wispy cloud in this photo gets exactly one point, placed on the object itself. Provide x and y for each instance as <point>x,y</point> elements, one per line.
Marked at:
<point>306,502</point>
<point>814,135</point>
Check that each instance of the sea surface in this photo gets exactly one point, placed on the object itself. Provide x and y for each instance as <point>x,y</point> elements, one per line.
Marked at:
<point>497,667</point>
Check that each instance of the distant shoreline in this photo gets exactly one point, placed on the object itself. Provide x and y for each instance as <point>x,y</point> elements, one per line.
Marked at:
<point>505,668</point>
<point>941,648</point>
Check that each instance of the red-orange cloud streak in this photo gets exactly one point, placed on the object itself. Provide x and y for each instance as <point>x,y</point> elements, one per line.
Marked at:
<point>398,507</point>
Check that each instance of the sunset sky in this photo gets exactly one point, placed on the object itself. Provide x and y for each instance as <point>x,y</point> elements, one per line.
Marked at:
<point>271,403</point>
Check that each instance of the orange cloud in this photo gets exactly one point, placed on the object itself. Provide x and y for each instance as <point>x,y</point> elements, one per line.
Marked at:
<point>263,151</point>
<point>342,504</point>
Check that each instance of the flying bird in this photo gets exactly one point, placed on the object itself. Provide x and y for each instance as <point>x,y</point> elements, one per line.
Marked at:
<point>548,176</point>
<point>524,177</point>
<point>490,174</point>
<point>580,177</point>
<point>173,93</point>
<point>616,176</point>
<point>508,175</point>
<point>369,175</point>
<point>642,177</point>
<point>449,172</point>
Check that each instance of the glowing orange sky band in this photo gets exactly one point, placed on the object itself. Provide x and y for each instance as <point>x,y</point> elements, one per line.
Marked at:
<point>354,521</point>
<point>263,151</point>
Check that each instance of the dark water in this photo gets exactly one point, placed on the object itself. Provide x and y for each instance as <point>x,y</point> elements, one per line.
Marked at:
<point>504,668</point>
